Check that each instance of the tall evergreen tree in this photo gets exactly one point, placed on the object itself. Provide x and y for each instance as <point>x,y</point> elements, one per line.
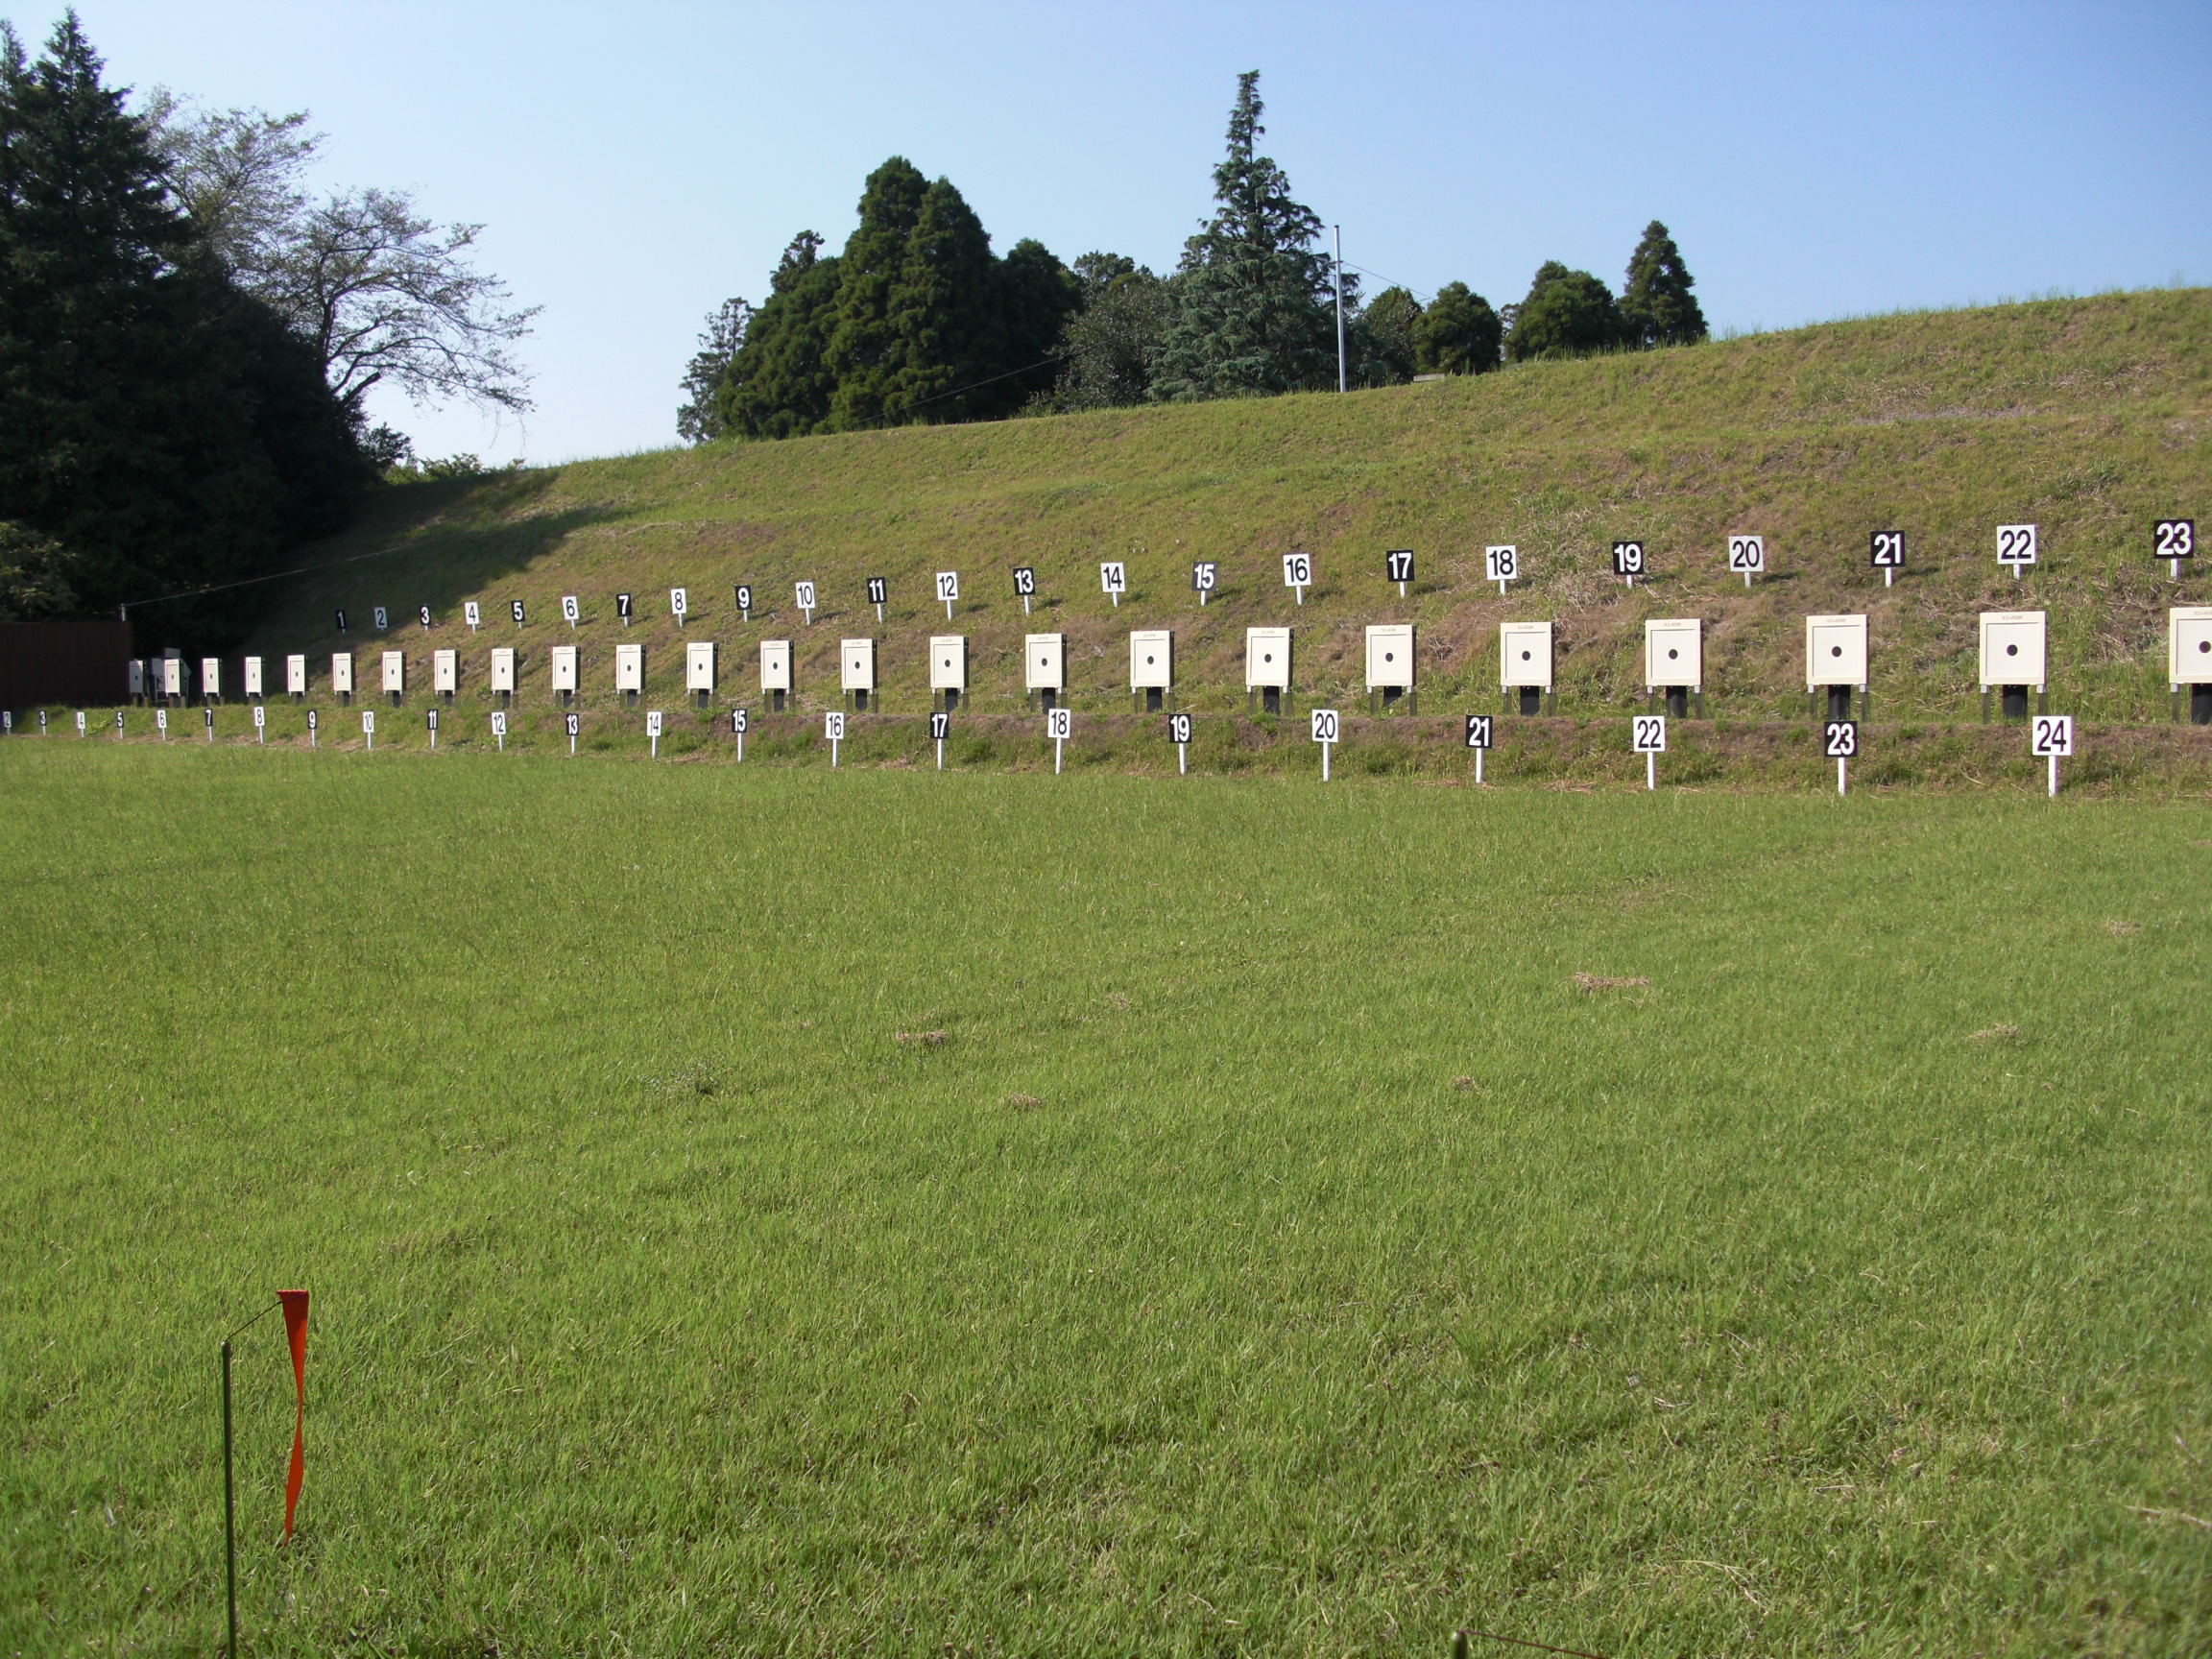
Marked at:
<point>699,421</point>
<point>1567,314</point>
<point>1253,294</point>
<point>863,354</point>
<point>1657,306</point>
<point>1037,296</point>
<point>162,427</point>
<point>1457,334</point>
<point>1382,339</point>
<point>779,383</point>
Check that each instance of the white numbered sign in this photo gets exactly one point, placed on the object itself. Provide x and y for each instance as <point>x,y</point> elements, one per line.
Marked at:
<point>1324,725</point>
<point>368,722</point>
<point>118,722</point>
<point>744,596</point>
<point>1204,575</point>
<point>1746,554</point>
<point>1842,737</point>
<point>470,614</point>
<point>383,618</point>
<point>571,610</point>
<point>803,595</point>
<point>878,591</point>
<point>1113,578</point>
<point>81,719</point>
<point>1648,734</point>
<point>948,585</point>
<point>653,724</point>
<point>498,723</point>
<point>261,719</point>
<point>833,726</point>
<point>679,603</point>
<point>2173,538</point>
<point>2015,544</point>
<point>1024,581</point>
<point>1297,570</point>
<point>1178,728</point>
<point>1886,549</point>
<point>1627,558</point>
<point>1503,564</point>
<point>2050,735</point>
<point>1478,731</point>
<point>940,725</point>
<point>739,721</point>
<point>1398,565</point>
<point>1059,723</point>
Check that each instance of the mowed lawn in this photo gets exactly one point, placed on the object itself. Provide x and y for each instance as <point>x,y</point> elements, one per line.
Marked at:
<point>1277,1252</point>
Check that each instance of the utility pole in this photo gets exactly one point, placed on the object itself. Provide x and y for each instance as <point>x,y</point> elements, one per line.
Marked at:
<point>1339,231</point>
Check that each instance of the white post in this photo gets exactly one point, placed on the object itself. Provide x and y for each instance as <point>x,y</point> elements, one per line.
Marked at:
<point>1339,231</point>
<point>1301,594</point>
<point>948,610</point>
<point>1025,604</point>
<point>1843,784</point>
<point>1747,581</point>
<point>1117,601</point>
<point>1650,770</point>
<point>878,613</point>
<point>653,749</point>
<point>2054,776</point>
<point>1478,765</point>
<point>940,754</point>
<point>1325,748</point>
<point>833,754</point>
<point>1055,757</point>
<point>740,745</point>
<point>1888,575</point>
<point>1183,760</point>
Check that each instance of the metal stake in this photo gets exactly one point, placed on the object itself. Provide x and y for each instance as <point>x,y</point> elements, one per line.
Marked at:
<point>229,1510</point>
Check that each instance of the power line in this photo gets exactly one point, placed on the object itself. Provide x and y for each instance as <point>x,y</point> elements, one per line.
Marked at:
<point>272,576</point>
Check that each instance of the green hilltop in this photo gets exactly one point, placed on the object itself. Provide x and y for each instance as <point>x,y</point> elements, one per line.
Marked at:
<point>2086,416</point>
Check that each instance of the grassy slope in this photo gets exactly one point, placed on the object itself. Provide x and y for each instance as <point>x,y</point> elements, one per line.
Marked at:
<point>2087,416</point>
<point>1181,1301</point>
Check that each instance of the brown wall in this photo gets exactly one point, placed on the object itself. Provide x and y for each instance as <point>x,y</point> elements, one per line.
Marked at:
<point>77,663</point>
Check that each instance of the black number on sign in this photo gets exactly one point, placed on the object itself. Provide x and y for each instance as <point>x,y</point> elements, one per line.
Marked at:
<point>744,597</point>
<point>1398,565</point>
<point>1747,553</point>
<point>939,726</point>
<point>1648,734</point>
<point>1478,731</point>
<point>1324,725</point>
<point>1842,737</point>
<point>1885,549</point>
<point>1024,581</point>
<point>1627,558</point>
<point>877,587</point>
<point>2015,543</point>
<point>2173,538</point>
<point>1178,728</point>
<point>1505,562</point>
<point>2052,735</point>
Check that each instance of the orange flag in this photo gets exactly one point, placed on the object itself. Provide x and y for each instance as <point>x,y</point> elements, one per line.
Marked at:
<point>295,1304</point>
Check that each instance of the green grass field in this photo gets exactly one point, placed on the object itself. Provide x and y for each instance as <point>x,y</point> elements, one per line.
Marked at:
<point>1278,1252</point>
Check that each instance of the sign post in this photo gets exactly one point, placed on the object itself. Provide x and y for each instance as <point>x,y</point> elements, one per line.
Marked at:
<point>833,729</point>
<point>515,608</point>
<point>739,721</point>
<point>1502,565</point>
<point>260,725</point>
<point>1325,731</point>
<point>1628,560</point>
<point>1058,723</point>
<point>803,595</point>
<point>368,729</point>
<point>312,723</point>
<point>940,723</point>
<point>622,608</point>
<point>653,731</point>
<point>471,615</point>
<point>1205,575</point>
<point>499,728</point>
<point>570,611</point>
<point>1298,574</point>
<point>878,591</point>
<point>2052,736</point>
<point>1478,739</point>
<point>575,724</point>
<point>1842,737</point>
<point>1024,585</point>
<point>1114,580</point>
<point>744,597</point>
<point>1179,734</point>
<point>2174,539</point>
<point>2016,547</point>
<point>1748,554</point>
<point>948,589</point>
<point>1398,567</point>
<point>433,727</point>
<point>1647,737</point>
<point>679,604</point>
<point>1885,552</point>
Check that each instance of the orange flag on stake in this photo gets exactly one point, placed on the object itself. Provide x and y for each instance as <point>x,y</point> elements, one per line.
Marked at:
<point>295,1305</point>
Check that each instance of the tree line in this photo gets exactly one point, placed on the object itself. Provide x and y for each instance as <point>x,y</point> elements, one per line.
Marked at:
<point>915,321</point>
<point>187,340</point>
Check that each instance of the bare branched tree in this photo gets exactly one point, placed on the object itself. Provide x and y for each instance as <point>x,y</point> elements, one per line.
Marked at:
<point>383,293</point>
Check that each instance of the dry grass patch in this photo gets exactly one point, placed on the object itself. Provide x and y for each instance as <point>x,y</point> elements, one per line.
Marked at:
<point>1594,984</point>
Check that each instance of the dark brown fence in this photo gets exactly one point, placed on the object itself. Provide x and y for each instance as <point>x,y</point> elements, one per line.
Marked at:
<point>80,663</point>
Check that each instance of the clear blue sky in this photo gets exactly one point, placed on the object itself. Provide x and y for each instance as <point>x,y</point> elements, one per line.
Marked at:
<point>636,164</point>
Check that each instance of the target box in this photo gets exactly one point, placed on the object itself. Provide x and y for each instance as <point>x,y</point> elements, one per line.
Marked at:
<point>254,685</point>
<point>1266,659</point>
<point>503,669</point>
<point>1834,651</point>
<point>446,671</point>
<point>630,668</point>
<point>947,662</point>
<point>775,665</point>
<point>394,672</point>
<point>563,661</point>
<point>296,676</point>
<point>2012,648</point>
<point>1525,655</point>
<point>211,677</point>
<point>699,665</point>
<point>1151,660</point>
<point>342,673</point>
<point>1673,653</point>
<point>2189,645</point>
<point>856,665</point>
<point>1390,657</point>
<point>1045,666</point>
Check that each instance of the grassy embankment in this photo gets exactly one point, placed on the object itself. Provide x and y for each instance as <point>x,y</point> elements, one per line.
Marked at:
<point>1279,1253</point>
<point>2087,416</point>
